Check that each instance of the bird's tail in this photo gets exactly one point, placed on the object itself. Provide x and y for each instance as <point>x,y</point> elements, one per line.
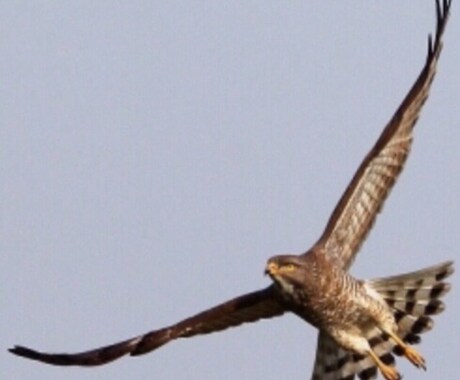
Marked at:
<point>414,297</point>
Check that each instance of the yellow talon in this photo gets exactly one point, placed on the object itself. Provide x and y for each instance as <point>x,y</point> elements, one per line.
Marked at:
<point>410,353</point>
<point>388,372</point>
<point>414,357</point>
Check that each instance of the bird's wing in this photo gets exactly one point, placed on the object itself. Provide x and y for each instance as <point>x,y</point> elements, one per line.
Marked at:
<point>358,207</point>
<point>247,308</point>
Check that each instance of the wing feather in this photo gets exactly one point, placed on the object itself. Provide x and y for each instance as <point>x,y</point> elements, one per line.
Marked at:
<point>358,207</point>
<point>247,308</point>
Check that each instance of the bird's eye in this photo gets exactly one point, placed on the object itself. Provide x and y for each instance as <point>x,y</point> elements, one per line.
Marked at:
<point>290,267</point>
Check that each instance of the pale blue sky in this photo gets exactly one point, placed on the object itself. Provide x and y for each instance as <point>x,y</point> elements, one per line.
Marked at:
<point>155,154</point>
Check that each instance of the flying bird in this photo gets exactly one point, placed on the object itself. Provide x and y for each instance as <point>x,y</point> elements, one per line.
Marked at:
<point>362,324</point>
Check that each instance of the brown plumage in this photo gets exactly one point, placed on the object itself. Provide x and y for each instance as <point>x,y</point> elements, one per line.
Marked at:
<point>412,298</point>
<point>362,324</point>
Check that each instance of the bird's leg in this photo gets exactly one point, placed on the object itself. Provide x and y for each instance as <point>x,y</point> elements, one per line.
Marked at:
<point>410,353</point>
<point>388,372</point>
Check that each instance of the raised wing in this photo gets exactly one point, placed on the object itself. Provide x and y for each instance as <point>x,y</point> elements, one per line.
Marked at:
<point>356,211</point>
<point>247,308</point>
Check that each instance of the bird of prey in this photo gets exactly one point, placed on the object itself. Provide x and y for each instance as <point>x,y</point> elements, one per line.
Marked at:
<point>362,324</point>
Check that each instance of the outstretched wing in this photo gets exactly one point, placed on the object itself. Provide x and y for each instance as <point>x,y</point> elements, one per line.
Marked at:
<point>247,308</point>
<point>356,211</point>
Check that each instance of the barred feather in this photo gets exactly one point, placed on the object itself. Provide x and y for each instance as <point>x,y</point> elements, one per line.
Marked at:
<point>335,363</point>
<point>413,297</point>
<point>416,293</point>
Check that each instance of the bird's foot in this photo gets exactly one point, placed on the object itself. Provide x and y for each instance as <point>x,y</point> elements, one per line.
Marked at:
<point>389,373</point>
<point>414,357</point>
<point>410,353</point>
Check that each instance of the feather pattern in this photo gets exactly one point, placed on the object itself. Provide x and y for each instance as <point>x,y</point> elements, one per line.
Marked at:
<point>409,296</point>
<point>364,197</point>
<point>375,318</point>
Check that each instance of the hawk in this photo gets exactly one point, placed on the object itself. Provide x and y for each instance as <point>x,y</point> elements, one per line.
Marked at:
<point>362,324</point>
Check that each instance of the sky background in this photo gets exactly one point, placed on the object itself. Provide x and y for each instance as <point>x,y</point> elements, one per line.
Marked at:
<point>154,155</point>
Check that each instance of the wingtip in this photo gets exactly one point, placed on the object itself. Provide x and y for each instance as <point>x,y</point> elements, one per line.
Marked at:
<point>442,15</point>
<point>15,349</point>
<point>23,351</point>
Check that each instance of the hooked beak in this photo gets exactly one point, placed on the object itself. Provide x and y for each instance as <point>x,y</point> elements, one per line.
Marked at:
<point>271,269</point>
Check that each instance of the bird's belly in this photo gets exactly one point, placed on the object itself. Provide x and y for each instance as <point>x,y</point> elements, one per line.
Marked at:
<point>340,312</point>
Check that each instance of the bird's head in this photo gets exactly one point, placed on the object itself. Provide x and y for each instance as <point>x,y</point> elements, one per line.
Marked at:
<point>287,271</point>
